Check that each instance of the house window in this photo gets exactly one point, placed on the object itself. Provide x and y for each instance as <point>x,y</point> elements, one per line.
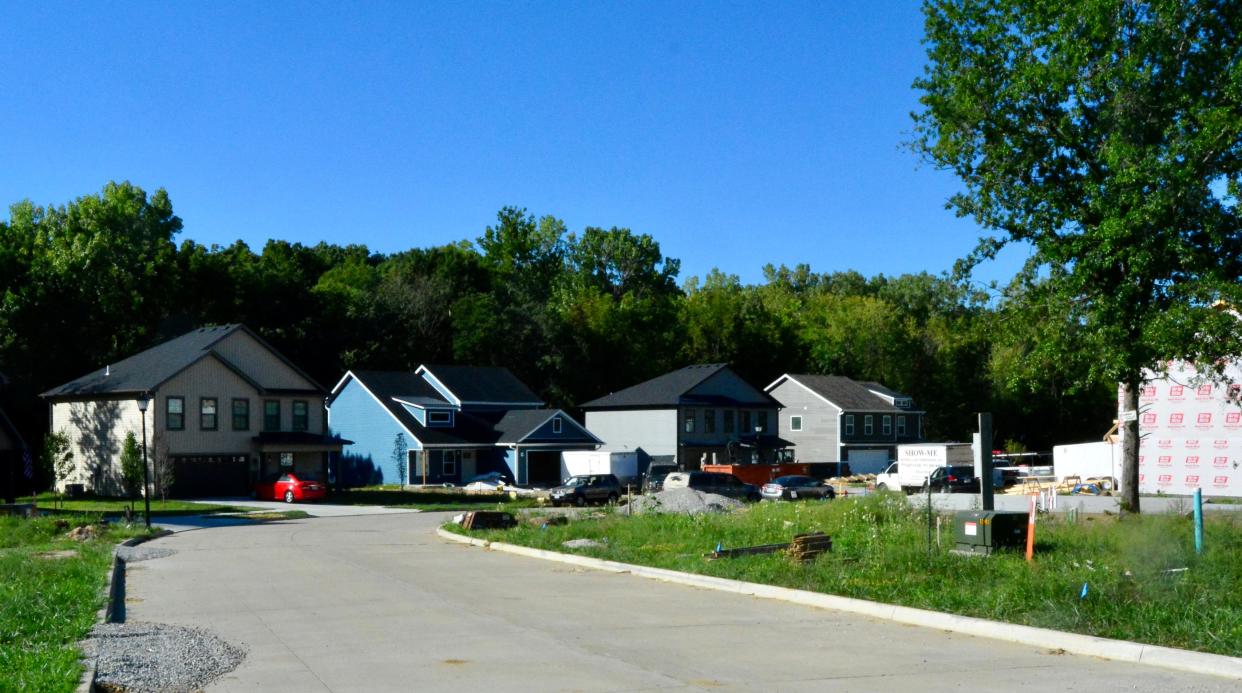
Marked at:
<point>795,423</point>
<point>300,415</point>
<point>439,418</point>
<point>901,425</point>
<point>761,421</point>
<point>709,421</point>
<point>886,425</point>
<point>174,413</point>
<point>729,420</point>
<point>271,415</point>
<point>868,425</point>
<point>556,425</point>
<point>207,419</point>
<point>689,427</point>
<point>241,415</point>
<point>448,466</point>
<point>849,424</point>
<point>746,422</point>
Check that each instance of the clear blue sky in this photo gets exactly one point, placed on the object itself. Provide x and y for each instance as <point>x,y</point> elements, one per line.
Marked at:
<point>735,134</point>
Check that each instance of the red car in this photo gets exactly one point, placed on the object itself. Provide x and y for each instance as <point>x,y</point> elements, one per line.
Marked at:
<point>290,487</point>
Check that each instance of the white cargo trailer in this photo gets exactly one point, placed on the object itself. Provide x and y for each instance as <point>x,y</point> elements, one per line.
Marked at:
<point>623,465</point>
<point>1100,460</point>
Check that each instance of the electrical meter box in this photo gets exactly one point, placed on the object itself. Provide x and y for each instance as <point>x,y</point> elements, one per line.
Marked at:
<point>982,532</point>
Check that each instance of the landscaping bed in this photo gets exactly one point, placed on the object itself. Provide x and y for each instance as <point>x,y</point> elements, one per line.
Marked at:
<point>1144,581</point>
<point>51,588</point>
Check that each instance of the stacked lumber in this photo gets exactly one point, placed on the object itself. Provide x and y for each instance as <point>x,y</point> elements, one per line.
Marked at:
<point>806,547</point>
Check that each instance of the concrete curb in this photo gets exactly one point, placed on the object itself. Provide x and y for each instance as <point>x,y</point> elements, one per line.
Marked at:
<point>1105,648</point>
<point>115,589</point>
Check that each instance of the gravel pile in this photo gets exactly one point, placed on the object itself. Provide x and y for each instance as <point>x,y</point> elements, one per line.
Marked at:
<point>685,501</point>
<point>141,552</point>
<point>158,657</point>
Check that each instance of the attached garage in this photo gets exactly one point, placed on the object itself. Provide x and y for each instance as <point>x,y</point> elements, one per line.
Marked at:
<point>543,468</point>
<point>207,476</point>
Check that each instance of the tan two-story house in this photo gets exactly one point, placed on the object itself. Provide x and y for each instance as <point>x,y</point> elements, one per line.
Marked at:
<point>224,409</point>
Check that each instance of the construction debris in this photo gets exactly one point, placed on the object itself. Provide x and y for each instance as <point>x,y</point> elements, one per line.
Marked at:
<point>807,547</point>
<point>487,519</point>
<point>804,547</point>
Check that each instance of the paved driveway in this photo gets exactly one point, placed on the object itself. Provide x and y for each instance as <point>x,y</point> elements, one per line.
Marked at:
<point>379,603</point>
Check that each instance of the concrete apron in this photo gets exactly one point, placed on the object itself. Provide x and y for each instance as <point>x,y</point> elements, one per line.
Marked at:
<point>1118,650</point>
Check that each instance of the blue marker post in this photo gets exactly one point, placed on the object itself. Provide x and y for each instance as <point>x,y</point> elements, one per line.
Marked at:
<point>1198,520</point>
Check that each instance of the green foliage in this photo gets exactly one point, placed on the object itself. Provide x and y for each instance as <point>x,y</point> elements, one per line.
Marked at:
<point>880,553</point>
<point>1108,137</point>
<point>131,466</point>
<point>49,603</point>
<point>56,456</point>
<point>575,315</point>
<point>401,458</point>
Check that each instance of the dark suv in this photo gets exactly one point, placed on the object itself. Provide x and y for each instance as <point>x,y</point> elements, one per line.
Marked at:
<point>960,478</point>
<point>588,488</point>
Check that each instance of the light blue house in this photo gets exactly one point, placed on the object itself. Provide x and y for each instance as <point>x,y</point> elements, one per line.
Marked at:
<point>447,424</point>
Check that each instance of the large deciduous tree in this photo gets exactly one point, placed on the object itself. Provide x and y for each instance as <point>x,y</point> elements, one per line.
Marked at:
<point>1108,136</point>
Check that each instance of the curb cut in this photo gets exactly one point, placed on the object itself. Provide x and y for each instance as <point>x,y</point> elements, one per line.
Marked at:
<point>1118,650</point>
<point>115,589</point>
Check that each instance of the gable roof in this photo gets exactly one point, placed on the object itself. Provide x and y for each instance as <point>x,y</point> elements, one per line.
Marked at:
<point>842,392</point>
<point>482,384</point>
<point>147,370</point>
<point>670,390</point>
<point>469,429</point>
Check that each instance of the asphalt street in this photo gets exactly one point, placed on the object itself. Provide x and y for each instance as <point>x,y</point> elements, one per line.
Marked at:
<point>380,603</point>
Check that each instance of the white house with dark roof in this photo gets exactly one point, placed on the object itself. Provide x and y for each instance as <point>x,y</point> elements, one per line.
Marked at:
<point>447,424</point>
<point>694,415</point>
<point>225,409</point>
<point>830,418</point>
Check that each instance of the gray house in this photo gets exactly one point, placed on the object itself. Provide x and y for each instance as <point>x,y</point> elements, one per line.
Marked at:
<point>694,415</point>
<point>830,418</point>
<point>225,408</point>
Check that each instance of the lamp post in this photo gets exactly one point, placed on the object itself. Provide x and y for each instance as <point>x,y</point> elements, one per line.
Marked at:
<point>143,402</point>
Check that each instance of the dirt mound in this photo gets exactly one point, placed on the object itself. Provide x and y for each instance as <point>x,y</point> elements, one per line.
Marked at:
<point>685,501</point>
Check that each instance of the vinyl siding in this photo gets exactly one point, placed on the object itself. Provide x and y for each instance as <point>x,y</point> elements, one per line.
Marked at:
<point>96,432</point>
<point>569,436</point>
<point>726,384</point>
<point>264,367</point>
<point>355,415</point>
<point>650,431</point>
<point>210,378</point>
<point>817,441</point>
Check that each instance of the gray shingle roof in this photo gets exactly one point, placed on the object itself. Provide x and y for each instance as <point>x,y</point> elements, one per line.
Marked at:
<point>147,370</point>
<point>844,393</point>
<point>669,390</point>
<point>493,384</point>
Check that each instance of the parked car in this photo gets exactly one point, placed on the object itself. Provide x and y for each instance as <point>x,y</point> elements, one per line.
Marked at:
<point>587,488</point>
<point>713,482</point>
<point>290,487</point>
<point>797,487</point>
<point>653,480</point>
<point>958,478</point>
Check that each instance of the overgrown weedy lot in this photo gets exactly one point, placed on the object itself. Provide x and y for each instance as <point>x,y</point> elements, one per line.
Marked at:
<point>50,590</point>
<point>1135,588</point>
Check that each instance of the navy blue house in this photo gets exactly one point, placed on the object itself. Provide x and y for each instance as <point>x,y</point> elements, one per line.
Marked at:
<point>453,423</point>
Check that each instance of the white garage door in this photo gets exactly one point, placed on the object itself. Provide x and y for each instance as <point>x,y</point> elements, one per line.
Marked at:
<point>867,461</point>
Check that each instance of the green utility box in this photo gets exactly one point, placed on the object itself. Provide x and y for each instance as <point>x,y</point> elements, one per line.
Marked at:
<point>982,532</point>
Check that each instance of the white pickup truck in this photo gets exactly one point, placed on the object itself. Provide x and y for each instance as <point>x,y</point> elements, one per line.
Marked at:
<point>918,460</point>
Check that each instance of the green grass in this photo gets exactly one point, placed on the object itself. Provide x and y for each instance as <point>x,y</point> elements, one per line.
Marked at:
<point>272,515</point>
<point>48,604</point>
<point>881,553</point>
<point>447,499</point>
<point>49,502</point>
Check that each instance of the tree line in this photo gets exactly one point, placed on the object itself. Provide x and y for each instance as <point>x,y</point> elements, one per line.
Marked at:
<point>574,314</point>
